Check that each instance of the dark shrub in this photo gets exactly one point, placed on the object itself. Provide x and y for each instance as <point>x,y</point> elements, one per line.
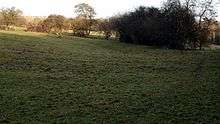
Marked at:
<point>174,27</point>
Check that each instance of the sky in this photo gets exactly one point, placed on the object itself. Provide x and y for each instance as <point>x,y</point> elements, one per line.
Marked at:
<point>103,8</point>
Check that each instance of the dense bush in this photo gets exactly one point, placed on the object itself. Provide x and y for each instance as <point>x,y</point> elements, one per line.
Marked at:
<point>174,26</point>
<point>179,27</point>
<point>140,27</point>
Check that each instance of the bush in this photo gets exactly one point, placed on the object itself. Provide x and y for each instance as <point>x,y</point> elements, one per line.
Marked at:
<point>52,24</point>
<point>179,28</point>
<point>140,27</point>
<point>41,27</point>
<point>173,27</point>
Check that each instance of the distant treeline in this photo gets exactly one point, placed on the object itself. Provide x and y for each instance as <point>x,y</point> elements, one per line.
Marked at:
<point>185,24</point>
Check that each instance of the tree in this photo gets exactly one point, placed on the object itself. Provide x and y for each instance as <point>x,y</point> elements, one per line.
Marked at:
<point>85,13</point>
<point>84,10</point>
<point>189,4</point>
<point>206,31</point>
<point>10,16</point>
<point>205,13</point>
<point>55,23</point>
<point>81,27</point>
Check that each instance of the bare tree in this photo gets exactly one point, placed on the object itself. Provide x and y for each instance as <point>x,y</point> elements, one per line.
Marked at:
<point>205,14</point>
<point>189,4</point>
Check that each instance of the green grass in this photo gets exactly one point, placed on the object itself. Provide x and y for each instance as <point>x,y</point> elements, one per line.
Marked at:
<point>44,79</point>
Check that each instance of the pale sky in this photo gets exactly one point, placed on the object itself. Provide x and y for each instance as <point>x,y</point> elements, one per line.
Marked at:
<point>104,8</point>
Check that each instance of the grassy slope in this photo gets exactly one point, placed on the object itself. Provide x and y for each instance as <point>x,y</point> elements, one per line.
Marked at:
<point>44,80</point>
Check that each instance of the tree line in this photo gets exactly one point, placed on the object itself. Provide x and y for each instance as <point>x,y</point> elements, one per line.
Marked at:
<point>178,24</point>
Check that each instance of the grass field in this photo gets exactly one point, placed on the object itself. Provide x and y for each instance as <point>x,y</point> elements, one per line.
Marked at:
<point>44,79</point>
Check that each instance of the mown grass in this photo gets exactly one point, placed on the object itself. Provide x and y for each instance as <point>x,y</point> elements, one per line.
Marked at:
<point>44,79</point>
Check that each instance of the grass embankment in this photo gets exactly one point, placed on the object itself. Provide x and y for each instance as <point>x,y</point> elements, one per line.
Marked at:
<point>44,79</point>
